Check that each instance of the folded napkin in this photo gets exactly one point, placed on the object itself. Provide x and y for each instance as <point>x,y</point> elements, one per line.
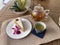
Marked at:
<point>41,34</point>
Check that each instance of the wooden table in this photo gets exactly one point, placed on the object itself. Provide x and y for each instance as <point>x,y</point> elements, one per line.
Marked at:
<point>53,5</point>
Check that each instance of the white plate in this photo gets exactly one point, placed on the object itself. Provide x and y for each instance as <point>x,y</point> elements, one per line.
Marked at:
<point>27,25</point>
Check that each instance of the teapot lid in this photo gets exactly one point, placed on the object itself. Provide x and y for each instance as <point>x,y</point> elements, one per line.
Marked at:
<point>38,8</point>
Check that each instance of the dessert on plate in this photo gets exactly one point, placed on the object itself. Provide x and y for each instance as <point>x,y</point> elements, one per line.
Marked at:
<point>18,26</point>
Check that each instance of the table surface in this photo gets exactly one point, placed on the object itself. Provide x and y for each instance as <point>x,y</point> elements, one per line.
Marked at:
<point>32,39</point>
<point>53,5</point>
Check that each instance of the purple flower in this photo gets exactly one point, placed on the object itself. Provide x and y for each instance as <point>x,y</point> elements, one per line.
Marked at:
<point>16,30</point>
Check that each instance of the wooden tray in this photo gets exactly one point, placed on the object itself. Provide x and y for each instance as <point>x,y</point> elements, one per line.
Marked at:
<point>52,33</point>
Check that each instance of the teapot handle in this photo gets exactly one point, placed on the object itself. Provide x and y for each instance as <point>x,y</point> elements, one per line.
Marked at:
<point>29,9</point>
<point>46,12</point>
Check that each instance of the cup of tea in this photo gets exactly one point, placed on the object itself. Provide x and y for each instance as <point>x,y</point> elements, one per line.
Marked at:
<point>40,27</point>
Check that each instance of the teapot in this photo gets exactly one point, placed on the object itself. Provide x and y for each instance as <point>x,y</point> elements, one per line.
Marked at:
<point>38,13</point>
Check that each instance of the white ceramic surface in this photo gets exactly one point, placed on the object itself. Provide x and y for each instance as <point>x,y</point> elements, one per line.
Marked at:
<point>20,12</point>
<point>27,25</point>
<point>29,3</point>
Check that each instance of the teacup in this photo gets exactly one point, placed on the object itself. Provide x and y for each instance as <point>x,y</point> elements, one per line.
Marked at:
<point>40,27</point>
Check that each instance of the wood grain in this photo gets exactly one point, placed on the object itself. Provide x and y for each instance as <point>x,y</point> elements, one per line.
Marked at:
<point>55,42</point>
